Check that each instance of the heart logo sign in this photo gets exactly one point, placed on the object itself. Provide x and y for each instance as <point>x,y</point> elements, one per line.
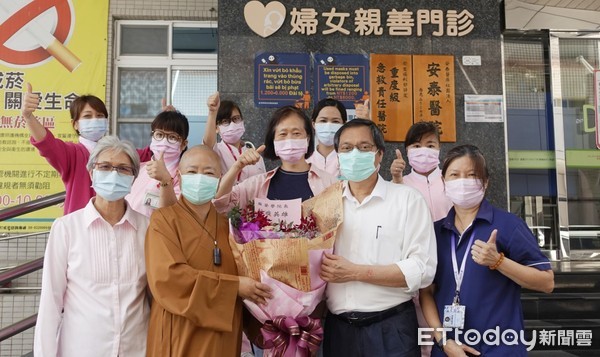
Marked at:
<point>264,20</point>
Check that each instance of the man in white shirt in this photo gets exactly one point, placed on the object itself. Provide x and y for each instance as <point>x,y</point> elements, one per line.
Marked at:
<point>385,252</point>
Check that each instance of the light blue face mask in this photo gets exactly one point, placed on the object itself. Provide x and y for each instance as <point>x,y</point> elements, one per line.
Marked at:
<point>357,165</point>
<point>199,188</point>
<point>110,185</point>
<point>326,132</point>
<point>93,129</point>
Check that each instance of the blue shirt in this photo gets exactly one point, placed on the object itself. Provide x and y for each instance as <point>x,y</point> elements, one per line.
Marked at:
<point>491,299</point>
<point>286,185</point>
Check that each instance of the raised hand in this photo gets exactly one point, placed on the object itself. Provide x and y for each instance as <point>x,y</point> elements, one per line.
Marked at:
<point>486,253</point>
<point>213,102</point>
<point>362,110</point>
<point>165,107</point>
<point>250,157</point>
<point>30,103</point>
<point>397,167</point>
<point>157,169</point>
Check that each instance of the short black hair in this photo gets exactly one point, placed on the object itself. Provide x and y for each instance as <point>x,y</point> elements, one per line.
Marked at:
<point>276,118</point>
<point>226,109</point>
<point>376,133</point>
<point>418,130</point>
<point>330,102</point>
<point>472,152</point>
<point>172,121</point>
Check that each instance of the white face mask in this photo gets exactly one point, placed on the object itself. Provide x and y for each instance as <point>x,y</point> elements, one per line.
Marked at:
<point>326,132</point>
<point>93,129</point>
<point>465,193</point>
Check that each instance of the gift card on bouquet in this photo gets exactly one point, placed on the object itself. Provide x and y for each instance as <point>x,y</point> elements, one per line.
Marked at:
<point>289,211</point>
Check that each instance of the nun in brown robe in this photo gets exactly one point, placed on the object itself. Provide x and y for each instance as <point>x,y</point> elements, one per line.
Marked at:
<point>197,306</point>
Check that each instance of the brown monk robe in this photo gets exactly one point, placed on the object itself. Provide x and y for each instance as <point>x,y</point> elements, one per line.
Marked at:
<point>197,309</point>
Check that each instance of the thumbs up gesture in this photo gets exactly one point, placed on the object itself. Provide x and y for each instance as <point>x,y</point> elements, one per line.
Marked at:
<point>486,253</point>
<point>213,102</point>
<point>165,107</point>
<point>250,157</point>
<point>157,169</point>
<point>30,103</point>
<point>397,167</point>
<point>362,110</point>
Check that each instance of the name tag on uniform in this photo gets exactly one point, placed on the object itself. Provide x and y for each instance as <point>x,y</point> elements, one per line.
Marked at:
<point>454,316</point>
<point>151,199</point>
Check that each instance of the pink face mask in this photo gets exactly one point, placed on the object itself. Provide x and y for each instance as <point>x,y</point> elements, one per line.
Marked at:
<point>465,193</point>
<point>171,152</point>
<point>291,150</point>
<point>423,160</point>
<point>233,132</point>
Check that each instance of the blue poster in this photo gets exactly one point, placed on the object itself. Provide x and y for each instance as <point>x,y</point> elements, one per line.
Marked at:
<point>342,77</point>
<point>281,79</point>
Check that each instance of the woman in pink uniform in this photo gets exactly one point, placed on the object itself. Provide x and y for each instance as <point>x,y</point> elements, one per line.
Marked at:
<point>327,118</point>
<point>422,145</point>
<point>89,118</point>
<point>225,118</point>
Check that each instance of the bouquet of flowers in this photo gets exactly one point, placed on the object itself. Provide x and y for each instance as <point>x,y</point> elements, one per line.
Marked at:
<point>287,257</point>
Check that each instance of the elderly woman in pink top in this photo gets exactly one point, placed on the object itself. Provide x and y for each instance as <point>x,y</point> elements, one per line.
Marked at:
<point>225,118</point>
<point>94,299</point>
<point>89,118</point>
<point>290,139</point>
<point>328,117</point>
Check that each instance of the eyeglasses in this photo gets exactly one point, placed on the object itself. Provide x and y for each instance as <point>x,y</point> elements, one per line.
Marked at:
<point>234,119</point>
<point>364,147</point>
<point>171,137</point>
<point>121,170</point>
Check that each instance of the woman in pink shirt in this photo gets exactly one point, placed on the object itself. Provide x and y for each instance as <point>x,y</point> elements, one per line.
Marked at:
<point>94,299</point>
<point>89,118</point>
<point>157,185</point>
<point>290,139</point>
<point>225,118</point>
<point>327,118</point>
<point>422,145</point>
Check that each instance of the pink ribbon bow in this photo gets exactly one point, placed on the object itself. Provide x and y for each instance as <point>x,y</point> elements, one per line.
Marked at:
<point>289,337</point>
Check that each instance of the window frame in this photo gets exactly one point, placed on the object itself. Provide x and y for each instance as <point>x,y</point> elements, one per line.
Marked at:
<point>169,62</point>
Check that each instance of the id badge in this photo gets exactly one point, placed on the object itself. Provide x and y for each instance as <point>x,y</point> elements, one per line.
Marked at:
<point>151,200</point>
<point>454,316</point>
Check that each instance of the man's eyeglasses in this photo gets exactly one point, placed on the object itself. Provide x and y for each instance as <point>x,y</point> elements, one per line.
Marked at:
<point>171,138</point>
<point>234,119</point>
<point>364,147</point>
<point>121,169</point>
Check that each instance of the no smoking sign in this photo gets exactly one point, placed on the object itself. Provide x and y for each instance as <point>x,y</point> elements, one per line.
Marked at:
<point>32,32</point>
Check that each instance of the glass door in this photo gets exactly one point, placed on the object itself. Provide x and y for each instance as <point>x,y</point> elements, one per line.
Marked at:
<point>574,64</point>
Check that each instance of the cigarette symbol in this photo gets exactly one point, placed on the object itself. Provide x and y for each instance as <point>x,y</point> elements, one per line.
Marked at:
<point>23,22</point>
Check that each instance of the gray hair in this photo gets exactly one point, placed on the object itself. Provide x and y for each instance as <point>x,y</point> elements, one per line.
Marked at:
<point>113,143</point>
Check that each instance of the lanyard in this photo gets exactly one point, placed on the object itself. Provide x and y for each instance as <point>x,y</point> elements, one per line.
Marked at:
<point>459,274</point>
<point>234,158</point>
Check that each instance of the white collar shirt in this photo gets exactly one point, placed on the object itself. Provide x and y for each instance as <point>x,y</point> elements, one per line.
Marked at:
<point>329,164</point>
<point>390,226</point>
<point>94,300</point>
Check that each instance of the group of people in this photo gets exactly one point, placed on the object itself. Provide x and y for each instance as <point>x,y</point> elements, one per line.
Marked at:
<point>140,264</point>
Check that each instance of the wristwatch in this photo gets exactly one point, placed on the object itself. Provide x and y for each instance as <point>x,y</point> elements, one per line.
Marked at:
<point>440,343</point>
